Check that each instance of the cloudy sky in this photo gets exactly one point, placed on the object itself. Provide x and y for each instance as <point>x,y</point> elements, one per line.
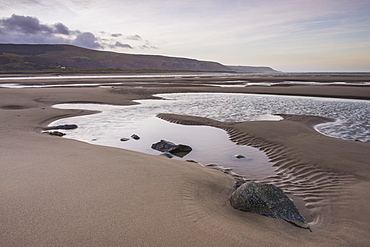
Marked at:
<point>288,35</point>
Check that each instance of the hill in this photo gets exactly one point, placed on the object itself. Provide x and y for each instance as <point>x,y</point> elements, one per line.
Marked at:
<point>46,57</point>
<point>252,69</point>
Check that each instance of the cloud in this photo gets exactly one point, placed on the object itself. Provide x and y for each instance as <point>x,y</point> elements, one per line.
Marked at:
<point>147,45</point>
<point>24,24</point>
<point>26,29</point>
<point>116,35</point>
<point>20,29</point>
<point>88,40</point>
<point>144,47</point>
<point>134,37</point>
<point>61,28</point>
<point>119,44</point>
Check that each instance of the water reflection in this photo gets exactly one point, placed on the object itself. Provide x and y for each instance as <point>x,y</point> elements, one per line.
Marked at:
<point>211,145</point>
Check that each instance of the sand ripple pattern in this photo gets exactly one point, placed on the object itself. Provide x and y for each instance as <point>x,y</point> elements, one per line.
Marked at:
<point>312,183</point>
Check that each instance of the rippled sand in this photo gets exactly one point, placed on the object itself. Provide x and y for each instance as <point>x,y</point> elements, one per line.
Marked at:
<point>59,192</point>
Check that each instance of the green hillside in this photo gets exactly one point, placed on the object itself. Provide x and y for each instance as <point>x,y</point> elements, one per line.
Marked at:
<point>59,57</point>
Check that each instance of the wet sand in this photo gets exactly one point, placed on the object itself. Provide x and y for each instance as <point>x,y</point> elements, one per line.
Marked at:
<point>59,192</point>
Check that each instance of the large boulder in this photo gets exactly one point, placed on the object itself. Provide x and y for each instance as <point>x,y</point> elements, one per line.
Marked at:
<point>166,146</point>
<point>265,199</point>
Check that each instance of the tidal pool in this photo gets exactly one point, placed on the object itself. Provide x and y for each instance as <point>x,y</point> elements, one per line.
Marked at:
<point>212,145</point>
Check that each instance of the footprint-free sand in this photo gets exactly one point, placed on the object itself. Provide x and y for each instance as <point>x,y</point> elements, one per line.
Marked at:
<point>61,192</point>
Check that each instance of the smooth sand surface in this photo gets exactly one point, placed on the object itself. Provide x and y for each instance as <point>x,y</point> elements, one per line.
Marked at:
<point>60,192</point>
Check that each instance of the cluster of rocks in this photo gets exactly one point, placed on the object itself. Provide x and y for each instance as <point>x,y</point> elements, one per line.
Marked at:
<point>133,136</point>
<point>60,127</point>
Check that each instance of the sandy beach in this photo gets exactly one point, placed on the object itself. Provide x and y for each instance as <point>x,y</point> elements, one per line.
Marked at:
<point>60,192</point>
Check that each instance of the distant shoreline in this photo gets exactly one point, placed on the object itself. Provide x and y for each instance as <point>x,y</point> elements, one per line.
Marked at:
<point>202,82</point>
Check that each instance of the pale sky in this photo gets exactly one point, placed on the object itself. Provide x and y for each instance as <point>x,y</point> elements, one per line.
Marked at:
<point>287,35</point>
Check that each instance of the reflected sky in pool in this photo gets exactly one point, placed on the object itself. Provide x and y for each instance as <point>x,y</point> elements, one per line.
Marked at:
<point>212,145</point>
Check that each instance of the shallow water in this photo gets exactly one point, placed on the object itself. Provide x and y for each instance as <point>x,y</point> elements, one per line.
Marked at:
<point>212,145</point>
<point>246,83</point>
<point>353,116</point>
<point>311,83</point>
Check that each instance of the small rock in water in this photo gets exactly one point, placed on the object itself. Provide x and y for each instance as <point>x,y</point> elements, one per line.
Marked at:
<point>265,199</point>
<point>239,156</point>
<point>56,133</point>
<point>135,137</point>
<point>123,139</point>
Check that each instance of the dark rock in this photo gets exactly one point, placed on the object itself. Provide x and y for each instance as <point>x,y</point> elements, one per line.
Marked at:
<point>123,139</point>
<point>56,133</point>
<point>66,127</point>
<point>135,137</point>
<point>164,146</point>
<point>167,146</point>
<point>182,148</point>
<point>265,199</point>
<point>239,156</point>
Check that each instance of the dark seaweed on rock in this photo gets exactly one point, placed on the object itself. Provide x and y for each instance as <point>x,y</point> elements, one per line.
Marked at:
<point>265,199</point>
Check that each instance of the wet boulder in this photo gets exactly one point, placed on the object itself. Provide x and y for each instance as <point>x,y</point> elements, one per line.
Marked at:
<point>166,146</point>
<point>265,199</point>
